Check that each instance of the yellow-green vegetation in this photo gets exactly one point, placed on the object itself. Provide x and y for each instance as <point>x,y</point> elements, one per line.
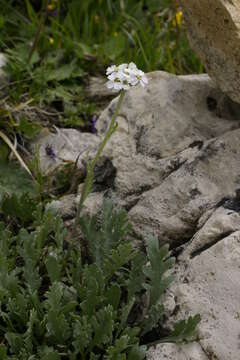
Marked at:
<point>53,45</point>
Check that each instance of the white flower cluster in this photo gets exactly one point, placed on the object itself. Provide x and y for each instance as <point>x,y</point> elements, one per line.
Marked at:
<point>124,76</point>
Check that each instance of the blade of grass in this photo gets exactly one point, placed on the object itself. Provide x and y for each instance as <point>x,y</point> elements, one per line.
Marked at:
<point>11,146</point>
<point>39,29</point>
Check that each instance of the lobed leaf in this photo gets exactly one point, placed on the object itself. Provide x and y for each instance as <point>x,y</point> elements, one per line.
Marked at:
<point>159,263</point>
<point>184,330</point>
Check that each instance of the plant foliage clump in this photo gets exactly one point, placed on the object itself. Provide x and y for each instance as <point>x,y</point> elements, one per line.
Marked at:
<point>55,304</point>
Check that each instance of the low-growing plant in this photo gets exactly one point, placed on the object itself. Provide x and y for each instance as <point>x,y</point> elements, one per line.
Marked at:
<point>15,180</point>
<point>56,304</point>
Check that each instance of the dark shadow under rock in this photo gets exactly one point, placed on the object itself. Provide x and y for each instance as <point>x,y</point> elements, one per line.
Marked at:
<point>104,175</point>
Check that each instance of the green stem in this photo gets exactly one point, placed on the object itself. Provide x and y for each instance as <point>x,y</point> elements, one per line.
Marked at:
<point>91,166</point>
<point>39,29</point>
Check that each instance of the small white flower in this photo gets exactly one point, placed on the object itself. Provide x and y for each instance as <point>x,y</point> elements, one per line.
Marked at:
<point>122,66</point>
<point>124,76</point>
<point>111,69</point>
<point>144,81</point>
<point>115,76</point>
<point>132,66</point>
<point>142,78</point>
<point>113,85</point>
<point>115,68</point>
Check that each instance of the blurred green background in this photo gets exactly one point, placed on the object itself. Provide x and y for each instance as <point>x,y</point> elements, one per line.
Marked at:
<point>54,46</point>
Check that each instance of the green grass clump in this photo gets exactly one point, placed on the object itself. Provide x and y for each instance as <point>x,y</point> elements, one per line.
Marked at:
<point>57,304</point>
<point>52,46</point>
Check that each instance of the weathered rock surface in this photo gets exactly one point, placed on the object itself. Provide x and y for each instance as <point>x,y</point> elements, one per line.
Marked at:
<point>64,146</point>
<point>174,164</point>
<point>209,284</point>
<point>214,31</point>
<point>172,154</point>
<point>191,351</point>
<point>172,209</point>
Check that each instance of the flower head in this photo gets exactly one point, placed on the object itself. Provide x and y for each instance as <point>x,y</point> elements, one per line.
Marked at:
<point>115,68</point>
<point>177,21</point>
<point>51,41</point>
<point>124,76</point>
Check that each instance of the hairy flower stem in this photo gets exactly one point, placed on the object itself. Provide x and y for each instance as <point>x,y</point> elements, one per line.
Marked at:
<point>91,165</point>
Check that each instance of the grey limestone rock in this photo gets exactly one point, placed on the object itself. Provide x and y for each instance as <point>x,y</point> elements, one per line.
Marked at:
<point>213,28</point>
<point>191,351</point>
<point>208,283</point>
<point>172,153</point>
<point>66,145</point>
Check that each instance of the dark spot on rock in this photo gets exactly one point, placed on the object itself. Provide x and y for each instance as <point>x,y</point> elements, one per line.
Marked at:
<point>104,175</point>
<point>231,203</point>
<point>190,167</point>
<point>177,251</point>
<point>176,310</point>
<point>226,21</point>
<point>228,109</point>
<point>209,151</point>
<point>198,143</point>
<point>138,136</point>
<point>222,201</point>
<point>194,192</point>
<point>222,145</point>
<point>211,103</point>
<point>237,194</point>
